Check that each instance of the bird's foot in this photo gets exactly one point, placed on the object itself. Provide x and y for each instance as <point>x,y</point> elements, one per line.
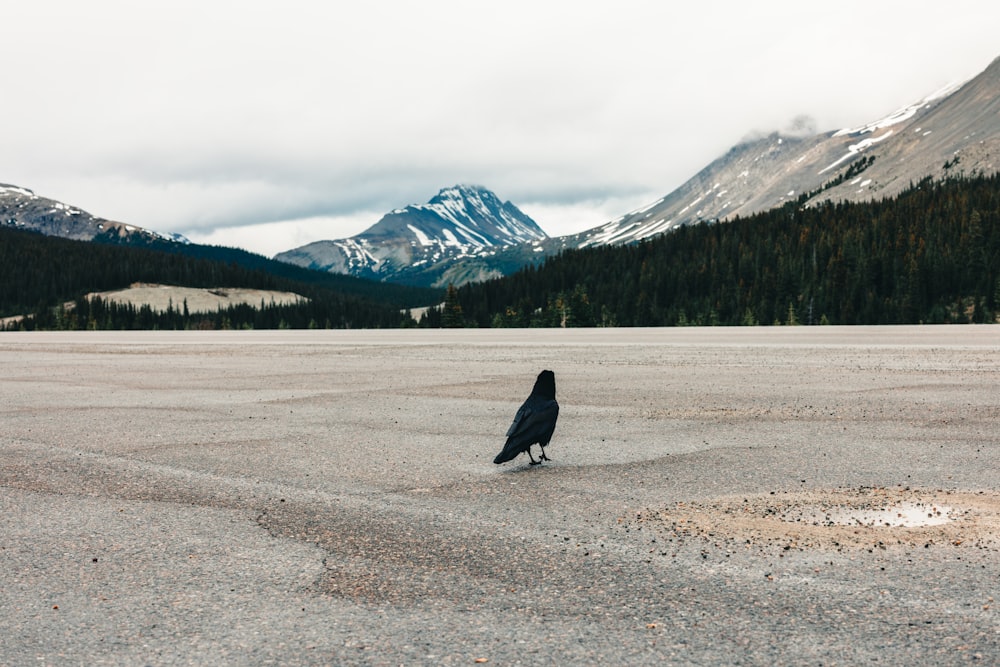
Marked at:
<point>534,463</point>
<point>543,457</point>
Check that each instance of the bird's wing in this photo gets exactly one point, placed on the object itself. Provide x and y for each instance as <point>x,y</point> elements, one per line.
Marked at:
<point>523,413</point>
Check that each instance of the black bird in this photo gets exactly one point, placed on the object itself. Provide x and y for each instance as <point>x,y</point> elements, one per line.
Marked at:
<point>534,422</point>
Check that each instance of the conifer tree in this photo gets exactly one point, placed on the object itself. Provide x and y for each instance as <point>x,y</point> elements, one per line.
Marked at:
<point>451,318</point>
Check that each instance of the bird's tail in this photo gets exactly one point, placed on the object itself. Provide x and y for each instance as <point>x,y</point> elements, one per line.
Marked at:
<point>508,453</point>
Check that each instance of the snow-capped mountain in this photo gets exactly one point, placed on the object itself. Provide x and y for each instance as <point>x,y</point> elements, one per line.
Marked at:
<point>953,131</point>
<point>22,208</point>
<point>427,243</point>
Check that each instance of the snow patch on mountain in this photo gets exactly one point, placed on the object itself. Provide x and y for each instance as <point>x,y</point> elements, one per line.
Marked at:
<point>902,114</point>
<point>22,208</point>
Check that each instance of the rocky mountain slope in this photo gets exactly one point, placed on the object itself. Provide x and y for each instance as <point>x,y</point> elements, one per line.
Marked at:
<point>451,238</point>
<point>953,131</point>
<point>23,209</point>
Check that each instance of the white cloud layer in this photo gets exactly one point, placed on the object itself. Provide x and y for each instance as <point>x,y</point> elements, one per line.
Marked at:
<point>268,125</point>
<point>265,237</point>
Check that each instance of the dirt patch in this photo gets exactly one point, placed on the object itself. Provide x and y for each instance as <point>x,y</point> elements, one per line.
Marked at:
<point>835,519</point>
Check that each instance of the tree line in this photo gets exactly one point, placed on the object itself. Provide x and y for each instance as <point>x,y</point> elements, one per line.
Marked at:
<point>929,255</point>
<point>329,311</point>
<point>40,275</point>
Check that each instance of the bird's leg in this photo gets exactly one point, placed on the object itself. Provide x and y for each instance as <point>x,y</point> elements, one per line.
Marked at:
<point>530,457</point>
<point>543,457</point>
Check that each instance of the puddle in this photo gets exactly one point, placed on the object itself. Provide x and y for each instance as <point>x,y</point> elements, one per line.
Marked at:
<point>900,515</point>
<point>833,518</point>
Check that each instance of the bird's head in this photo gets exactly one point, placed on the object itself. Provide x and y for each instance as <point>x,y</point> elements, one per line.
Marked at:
<point>545,385</point>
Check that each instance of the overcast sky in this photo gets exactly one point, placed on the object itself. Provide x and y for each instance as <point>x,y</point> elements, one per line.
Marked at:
<point>267,125</point>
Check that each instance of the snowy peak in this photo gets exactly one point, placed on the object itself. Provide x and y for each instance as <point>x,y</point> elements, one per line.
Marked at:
<point>482,210</point>
<point>460,223</point>
<point>463,215</point>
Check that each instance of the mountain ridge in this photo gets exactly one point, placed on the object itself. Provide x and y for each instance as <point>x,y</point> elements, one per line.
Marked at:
<point>954,130</point>
<point>22,208</point>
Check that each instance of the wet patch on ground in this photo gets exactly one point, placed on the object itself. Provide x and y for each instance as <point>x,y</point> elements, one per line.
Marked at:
<point>840,519</point>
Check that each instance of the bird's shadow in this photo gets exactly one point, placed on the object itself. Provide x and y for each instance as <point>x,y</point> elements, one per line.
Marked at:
<point>522,468</point>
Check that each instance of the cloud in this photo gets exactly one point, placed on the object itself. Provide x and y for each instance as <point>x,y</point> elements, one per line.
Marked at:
<point>212,119</point>
<point>561,219</point>
<point>270,238</point>
<point>802,125</point>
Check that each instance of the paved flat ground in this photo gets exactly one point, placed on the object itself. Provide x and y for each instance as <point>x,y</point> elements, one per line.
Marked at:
<point>716,496</point>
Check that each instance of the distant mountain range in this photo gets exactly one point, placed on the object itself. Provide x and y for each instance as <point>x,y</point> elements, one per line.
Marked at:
<point>22,209</point>
<point>467,234</point>
<point>951,132</point>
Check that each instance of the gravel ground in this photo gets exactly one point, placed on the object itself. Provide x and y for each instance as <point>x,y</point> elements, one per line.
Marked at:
<point>716,496</point>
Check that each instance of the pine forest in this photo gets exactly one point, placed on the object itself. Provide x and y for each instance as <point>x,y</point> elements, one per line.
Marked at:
<point>930,255</point>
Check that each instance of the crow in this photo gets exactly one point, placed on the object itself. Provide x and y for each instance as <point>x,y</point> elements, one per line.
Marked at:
<point>534,422</point>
